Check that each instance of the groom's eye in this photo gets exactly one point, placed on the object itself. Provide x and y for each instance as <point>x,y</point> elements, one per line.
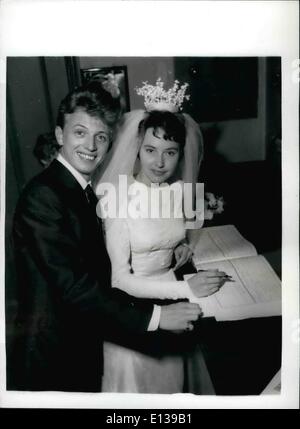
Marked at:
<point>79,133</point>
<point>102,138</point>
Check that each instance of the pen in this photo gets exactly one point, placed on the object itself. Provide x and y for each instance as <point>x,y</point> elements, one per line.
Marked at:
<point>226,277</point>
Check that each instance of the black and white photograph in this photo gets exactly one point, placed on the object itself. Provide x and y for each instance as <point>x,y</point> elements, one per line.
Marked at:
<point>148,220</point>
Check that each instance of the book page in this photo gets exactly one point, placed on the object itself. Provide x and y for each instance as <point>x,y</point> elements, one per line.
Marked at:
<point>254,292</point>
<point>219,243</point>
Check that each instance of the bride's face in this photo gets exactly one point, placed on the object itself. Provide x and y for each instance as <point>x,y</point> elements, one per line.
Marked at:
<point>158,157</point>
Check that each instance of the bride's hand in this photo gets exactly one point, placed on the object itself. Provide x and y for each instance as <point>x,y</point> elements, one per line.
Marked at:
<point>205,283</point>
<point>183,254</point>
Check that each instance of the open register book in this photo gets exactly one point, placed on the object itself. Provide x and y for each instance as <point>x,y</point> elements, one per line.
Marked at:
<point>256,290</point>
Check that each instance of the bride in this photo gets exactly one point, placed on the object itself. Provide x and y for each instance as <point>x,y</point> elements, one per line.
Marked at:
<point>155,150</point>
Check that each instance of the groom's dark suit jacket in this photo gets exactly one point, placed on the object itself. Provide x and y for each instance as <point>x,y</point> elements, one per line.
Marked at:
<point>65,301</point>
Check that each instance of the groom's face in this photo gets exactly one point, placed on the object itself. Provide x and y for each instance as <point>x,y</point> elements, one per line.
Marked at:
<point>84,140</point>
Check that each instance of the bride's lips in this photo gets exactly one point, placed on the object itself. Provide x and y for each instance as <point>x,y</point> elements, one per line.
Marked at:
<point>86,156</point>
<point>158,173</point>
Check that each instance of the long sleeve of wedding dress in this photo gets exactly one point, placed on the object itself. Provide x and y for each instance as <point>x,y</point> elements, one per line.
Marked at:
<point>141,254</point>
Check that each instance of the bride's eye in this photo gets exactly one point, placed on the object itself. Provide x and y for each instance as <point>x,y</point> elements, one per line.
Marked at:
<point>148,150</point>
<point>171,153</point>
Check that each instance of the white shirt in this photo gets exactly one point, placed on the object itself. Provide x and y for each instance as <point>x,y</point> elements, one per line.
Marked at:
<point>155,318</point>
<point>80,179</point>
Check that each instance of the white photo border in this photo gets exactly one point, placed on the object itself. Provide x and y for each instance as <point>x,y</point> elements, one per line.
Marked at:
<point>170,28</point>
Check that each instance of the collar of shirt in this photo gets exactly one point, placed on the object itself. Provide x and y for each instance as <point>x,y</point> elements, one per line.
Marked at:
<point>82,182</point>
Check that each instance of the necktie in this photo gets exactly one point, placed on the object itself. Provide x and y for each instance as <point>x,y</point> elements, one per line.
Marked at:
<point>91,197</point>
<point>93,200</point>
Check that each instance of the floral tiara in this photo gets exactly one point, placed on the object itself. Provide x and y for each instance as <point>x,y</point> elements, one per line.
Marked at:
<point>157,98</point>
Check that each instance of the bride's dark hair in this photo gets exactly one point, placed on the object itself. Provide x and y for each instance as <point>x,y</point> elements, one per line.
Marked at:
<point>178,127</point>
<point>171,123</point>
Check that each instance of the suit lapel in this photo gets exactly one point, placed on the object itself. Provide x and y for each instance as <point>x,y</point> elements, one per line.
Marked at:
<point>66,185</point>
<point>72,193</point>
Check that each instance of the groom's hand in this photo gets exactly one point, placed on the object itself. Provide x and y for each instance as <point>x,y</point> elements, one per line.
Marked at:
<point>179,316</point>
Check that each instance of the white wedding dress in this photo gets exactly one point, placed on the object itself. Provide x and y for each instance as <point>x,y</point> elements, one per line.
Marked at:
<point>141,252</point>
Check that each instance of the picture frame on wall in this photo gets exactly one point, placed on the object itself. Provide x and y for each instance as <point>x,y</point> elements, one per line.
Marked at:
<point>110,76</point>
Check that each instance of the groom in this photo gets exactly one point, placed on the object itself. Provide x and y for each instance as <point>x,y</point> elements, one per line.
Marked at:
<point>65,303</point>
